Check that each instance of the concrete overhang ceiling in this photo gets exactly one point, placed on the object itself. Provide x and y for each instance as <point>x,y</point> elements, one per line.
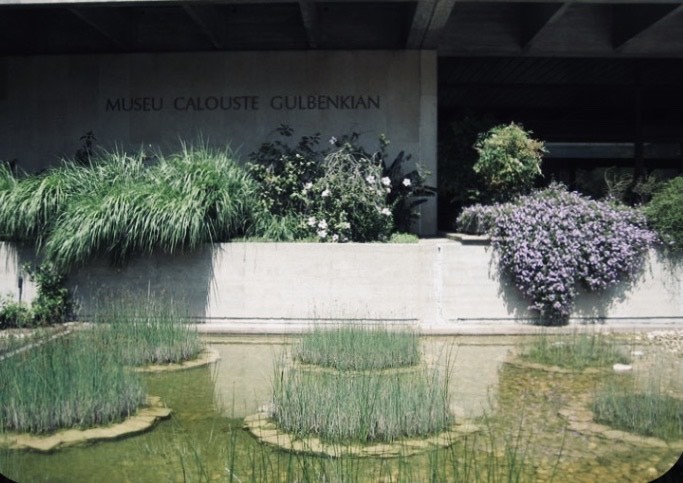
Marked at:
<point>455,28</point>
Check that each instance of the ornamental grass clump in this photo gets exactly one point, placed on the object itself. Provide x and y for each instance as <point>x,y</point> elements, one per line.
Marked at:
<point>359,348</point>
<point>120,205</point>
<point>68,382</point>
<point>553,240</point>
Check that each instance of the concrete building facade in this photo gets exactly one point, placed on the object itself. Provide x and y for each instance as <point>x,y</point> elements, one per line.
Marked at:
<point>148,73</point>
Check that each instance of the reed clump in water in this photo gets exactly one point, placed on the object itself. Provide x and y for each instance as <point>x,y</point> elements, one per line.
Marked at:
<point>361,392</point>
<point>354,347</point>
<point>67,382</point>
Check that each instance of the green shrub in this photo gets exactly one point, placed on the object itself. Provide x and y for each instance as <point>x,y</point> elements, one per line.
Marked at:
<point>509,161</point>
<point>283,170</point>
<point>665,213</point>
<point>336,193</point>
<point>53,303</point>
<point>14,314</point>
<point>348,202</point>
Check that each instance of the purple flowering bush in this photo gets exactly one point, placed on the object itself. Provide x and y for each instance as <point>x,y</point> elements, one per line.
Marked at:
<point>551,241</point>
<point>479,219</point>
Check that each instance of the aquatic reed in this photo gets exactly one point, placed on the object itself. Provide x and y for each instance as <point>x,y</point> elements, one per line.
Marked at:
<point>141,331</point>
<point>68,382</point>
<point>577,350</point>
<point>649,413</point>
<point>357,347</point>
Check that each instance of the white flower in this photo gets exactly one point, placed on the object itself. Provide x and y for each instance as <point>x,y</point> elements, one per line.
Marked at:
<point>322,233</point>
<point>322,225</point>
<point>333,140</point>
<point>345,225</point>
<point>386,211</point>
<point>325,193</point>
<point>370,179</point>
<point>386,181</point>
<point>335,238</point>
<point>406,182</point>
<point>388,190</point>
<point>312,221</point>
<point>308,186</point>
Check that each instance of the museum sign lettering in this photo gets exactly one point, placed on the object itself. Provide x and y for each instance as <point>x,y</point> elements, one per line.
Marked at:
<point>311,102</point>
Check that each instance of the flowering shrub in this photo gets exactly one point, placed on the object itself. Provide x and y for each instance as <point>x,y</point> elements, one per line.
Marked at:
<point>509,161</point>
<point>665,213</point>
<point>552,240</point>
<point>479,219</point>
<point>282,171</point>
<point>349,202</point>
<point>335,193</point>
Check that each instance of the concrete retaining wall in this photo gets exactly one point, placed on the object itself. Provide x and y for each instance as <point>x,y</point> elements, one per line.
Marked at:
<point>435,283</point>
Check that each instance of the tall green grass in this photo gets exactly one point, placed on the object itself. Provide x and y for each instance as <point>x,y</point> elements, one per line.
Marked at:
<point>648,414</point>
<point>141,331</point>
<point>577,351</point>
<point>68,382</point>
<point>649,402</point>
<point>122,204</point>
<point>361,407</point>
<point>490,456</point>
<point>355,347</point>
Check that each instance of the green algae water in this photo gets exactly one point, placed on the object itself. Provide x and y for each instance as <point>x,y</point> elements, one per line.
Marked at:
<point>524,436</point>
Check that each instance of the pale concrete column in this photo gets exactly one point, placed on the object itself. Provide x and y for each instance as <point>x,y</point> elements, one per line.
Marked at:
<point>427,224</point>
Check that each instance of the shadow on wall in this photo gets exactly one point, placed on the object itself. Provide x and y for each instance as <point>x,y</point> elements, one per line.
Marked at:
<point>185,279</point>
<point>655,292</point>
<point>516,305</point>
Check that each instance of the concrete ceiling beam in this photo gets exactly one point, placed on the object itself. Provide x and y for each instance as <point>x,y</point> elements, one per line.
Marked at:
<point>309,16</point>
<point>428,22</point>
<point>535,19</point>
<point>207,19</point>
<point>631,22</point>
<point>109,23</point>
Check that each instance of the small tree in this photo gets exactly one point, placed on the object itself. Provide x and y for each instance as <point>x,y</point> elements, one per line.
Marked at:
<point>509,161</point>
<point>665,214</point>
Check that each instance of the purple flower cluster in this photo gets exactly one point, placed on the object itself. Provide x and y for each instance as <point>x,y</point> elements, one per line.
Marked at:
<point>552,240</point>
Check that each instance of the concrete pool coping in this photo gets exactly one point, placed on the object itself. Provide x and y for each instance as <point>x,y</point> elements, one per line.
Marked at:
<point>275,327</point>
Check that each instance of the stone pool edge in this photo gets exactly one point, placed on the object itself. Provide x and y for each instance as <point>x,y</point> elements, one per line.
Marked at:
<point>145,418</point>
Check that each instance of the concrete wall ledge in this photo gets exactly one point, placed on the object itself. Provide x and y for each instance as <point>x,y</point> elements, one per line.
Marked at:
<point>436,285</point>
<point>467,239</point>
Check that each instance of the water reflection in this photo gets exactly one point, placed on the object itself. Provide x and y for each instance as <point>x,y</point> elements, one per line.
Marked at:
<point>244,374</point>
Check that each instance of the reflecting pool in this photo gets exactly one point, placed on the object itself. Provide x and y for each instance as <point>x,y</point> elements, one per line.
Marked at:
<point>522,414</point>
